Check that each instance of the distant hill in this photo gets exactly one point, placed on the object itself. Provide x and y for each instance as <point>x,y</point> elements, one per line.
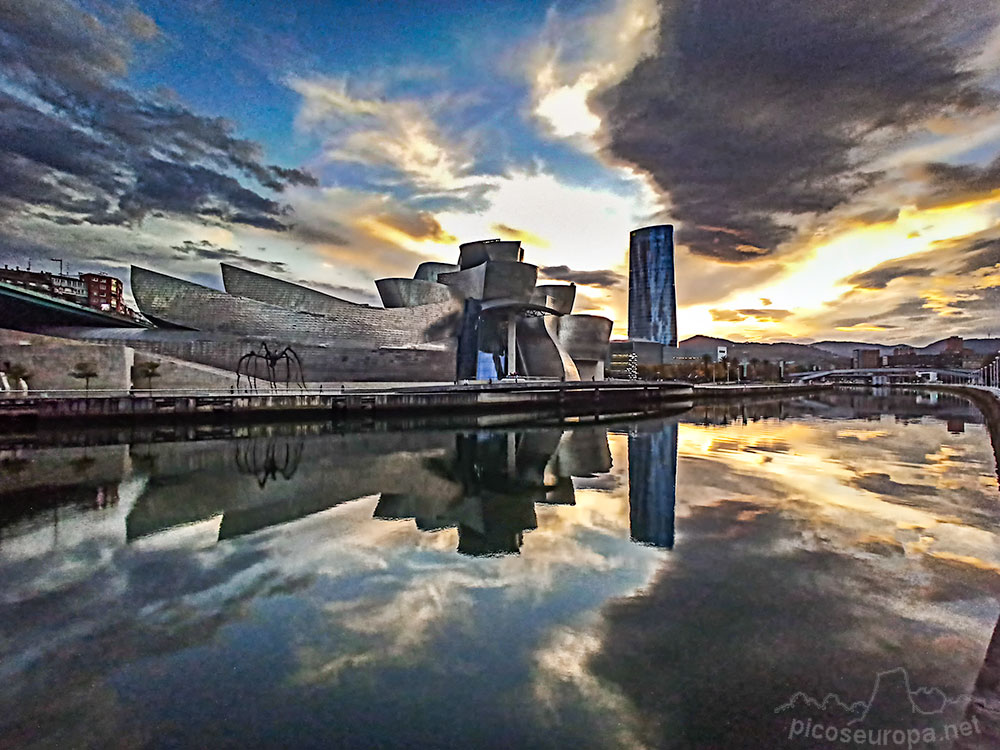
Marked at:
<point>823,353</point>
<point>846,348</point>
<point>802,354</point>
<point>979,346</point>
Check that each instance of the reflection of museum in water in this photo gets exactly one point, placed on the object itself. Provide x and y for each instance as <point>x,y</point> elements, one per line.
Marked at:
<point>484,483</point>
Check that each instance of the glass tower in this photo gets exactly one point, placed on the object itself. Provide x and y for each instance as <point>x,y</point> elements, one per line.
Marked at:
<point>652,299</point>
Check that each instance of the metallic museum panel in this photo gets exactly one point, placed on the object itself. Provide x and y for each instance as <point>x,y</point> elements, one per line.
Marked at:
<point>476,253</point>
<point>412,292</point>
<point>263,288</point>
<point>585,336</point>
<point>495,279</point>
<point>429,270</point>
<point>539,352</point>
<point>652,297</point>
<point>180,303</point>
<point>559,297</point>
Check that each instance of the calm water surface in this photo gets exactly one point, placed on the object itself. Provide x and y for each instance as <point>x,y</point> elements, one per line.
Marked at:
<point>692,581</point>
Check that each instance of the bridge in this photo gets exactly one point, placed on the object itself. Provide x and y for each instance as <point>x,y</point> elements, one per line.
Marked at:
<point>888,375</point>
<point>25,308</point>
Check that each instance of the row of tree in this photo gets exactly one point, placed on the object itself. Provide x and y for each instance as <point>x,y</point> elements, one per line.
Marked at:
<point>85,371</point>
<point>725,370</point>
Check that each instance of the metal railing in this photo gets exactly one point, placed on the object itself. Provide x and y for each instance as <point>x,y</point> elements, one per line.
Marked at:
<point>325,389</point>
<point>988,374</point>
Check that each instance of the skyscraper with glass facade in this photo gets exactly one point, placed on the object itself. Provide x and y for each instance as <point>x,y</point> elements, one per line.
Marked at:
<point>652,298</point>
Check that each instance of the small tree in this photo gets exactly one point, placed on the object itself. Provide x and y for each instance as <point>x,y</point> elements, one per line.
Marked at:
<point>84,371</point>
<point>148,370</point>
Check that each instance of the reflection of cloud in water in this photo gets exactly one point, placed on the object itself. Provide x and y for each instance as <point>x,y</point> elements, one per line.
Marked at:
<point>562,678</point>
<point>858,490</point>
<point>812,570</point>
<point>805,558</point>
<point>742,618</point>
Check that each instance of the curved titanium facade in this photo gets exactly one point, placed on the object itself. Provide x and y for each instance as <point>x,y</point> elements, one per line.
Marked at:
<point>399,292</point>
<point>560,297</point>
<point>540,352</point>
<point>185,304</point>
<point>431,269</point>
<point>474,253</point>
<point>585,336</point>
<point>285,294</point>
<point>652,298</point>
<point>495,279</point>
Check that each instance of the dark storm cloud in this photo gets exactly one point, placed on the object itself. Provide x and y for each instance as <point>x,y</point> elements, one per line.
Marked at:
<point>75,146</point>
<point>882,484</point>
<point>321,230</point>
<point>750,113</point>
<point>913,309</point>
<point>982,253</point>
<point>880,276</point>
<point>767,315</point>
<point>205,250</point>
<point>957,183</point>
<point>863,320</point>
<point>877,216</point>
<point>417,224</point>
<point>604,279</point>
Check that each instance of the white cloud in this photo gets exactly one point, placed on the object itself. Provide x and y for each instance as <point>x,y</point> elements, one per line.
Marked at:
<point>574,58</point>
<point>396,134</point>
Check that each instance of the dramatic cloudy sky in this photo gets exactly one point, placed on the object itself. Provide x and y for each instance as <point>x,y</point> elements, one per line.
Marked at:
<point>832,167</point>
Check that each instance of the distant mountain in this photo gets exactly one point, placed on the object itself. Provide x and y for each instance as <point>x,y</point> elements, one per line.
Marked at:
<point>979,346</point>
<point>823,353</point>
<point>846,348</point>
<point>802,354</point>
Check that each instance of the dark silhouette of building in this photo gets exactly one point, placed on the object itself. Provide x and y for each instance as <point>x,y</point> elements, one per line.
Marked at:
<point>866,359</point>
<point>652,484</point>
<point>652,297</point>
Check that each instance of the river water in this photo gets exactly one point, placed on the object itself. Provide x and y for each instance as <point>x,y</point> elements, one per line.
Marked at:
<point>703,580</point>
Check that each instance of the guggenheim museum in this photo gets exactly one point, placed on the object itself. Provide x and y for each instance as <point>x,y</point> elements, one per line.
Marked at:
<point>484,317</point>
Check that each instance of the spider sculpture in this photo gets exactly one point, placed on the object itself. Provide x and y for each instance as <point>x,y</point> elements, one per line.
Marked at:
<point>247,366</point>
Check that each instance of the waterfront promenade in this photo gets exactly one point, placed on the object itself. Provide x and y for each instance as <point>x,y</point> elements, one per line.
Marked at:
<point>569,398</point>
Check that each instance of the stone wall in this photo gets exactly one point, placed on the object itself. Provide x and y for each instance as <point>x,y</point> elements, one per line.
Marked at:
<point>177,374</point>
<point>320,363</point>
<point>49,361</point>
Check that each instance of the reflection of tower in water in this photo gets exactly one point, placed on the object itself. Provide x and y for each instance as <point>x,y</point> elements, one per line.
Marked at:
<point>652,484</point>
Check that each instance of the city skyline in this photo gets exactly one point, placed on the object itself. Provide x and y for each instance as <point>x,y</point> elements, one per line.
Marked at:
<point>831,168</point>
